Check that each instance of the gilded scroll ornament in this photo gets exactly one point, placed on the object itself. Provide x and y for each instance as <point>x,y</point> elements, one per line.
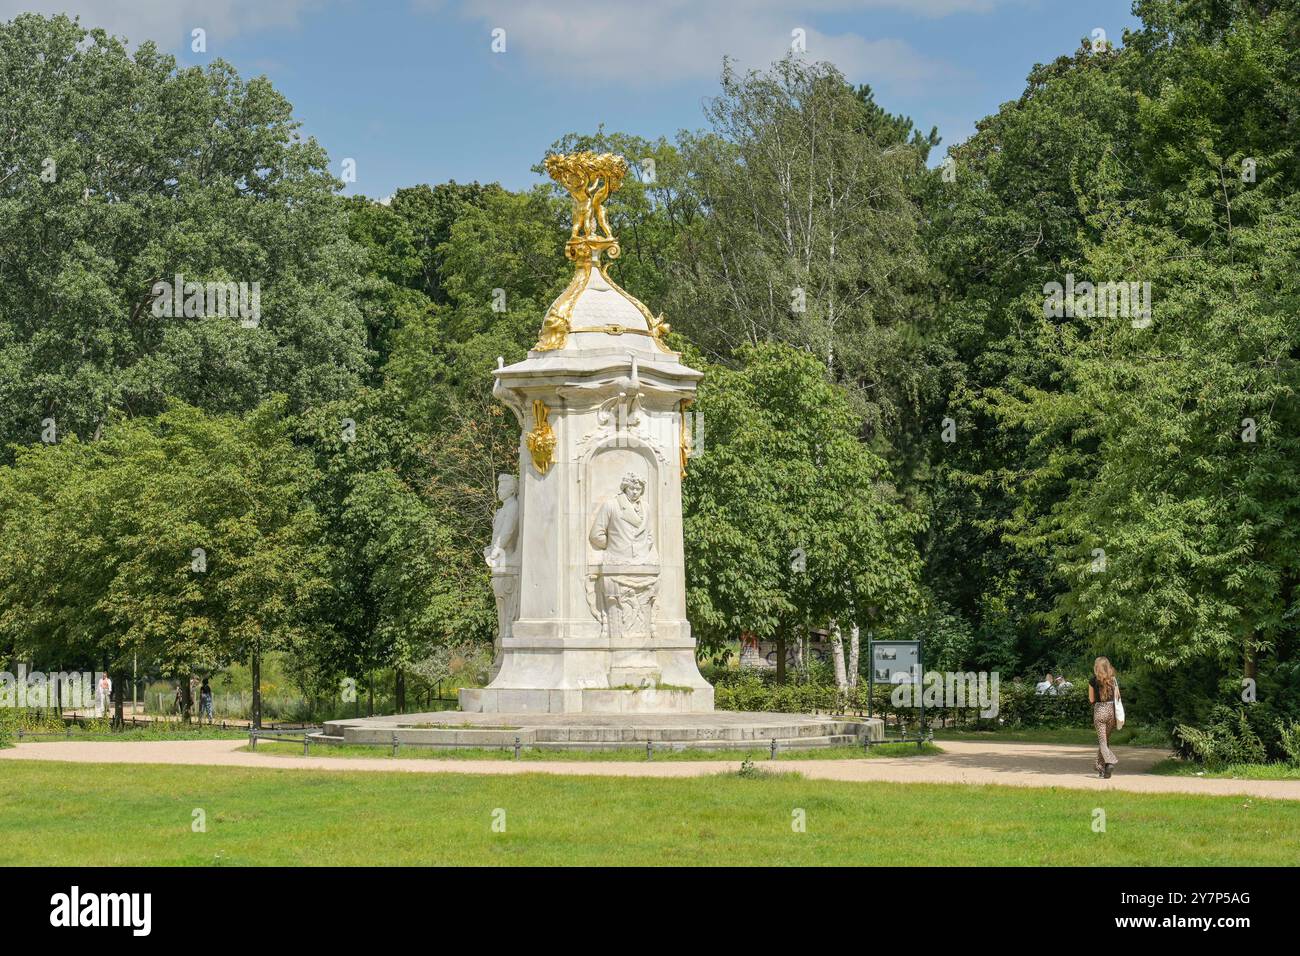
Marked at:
<point>684,438</point>
<point>541,440</point>
<point>658,329</point>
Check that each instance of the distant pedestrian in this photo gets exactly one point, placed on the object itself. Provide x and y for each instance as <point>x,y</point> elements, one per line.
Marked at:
<point>1044,685</point>
<point>103,694</point>
<point>1103,692</point>
<point>205,702</point>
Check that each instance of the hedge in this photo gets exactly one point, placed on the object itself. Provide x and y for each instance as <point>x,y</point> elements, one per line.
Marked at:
<point>1018,704</point>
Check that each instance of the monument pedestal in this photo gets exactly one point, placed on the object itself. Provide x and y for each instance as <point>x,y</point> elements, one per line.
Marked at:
<point>649,700</point>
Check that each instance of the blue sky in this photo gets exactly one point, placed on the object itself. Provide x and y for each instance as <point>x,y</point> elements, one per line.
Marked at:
<point>413,92</point>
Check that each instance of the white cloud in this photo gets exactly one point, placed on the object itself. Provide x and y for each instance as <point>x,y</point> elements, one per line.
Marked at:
<point>650,44</point>
<point>654,44</point>
<point>639,43</point>
<point>169,22</point>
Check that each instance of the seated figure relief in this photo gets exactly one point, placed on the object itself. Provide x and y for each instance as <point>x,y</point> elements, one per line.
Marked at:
<point>622,526</point>
<point>622,593</point>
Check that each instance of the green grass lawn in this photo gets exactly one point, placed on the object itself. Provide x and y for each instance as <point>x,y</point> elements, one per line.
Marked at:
<point>1238,771</point>
<point>109,814</point>
<point>632,754</point>
<point>1129,736</point>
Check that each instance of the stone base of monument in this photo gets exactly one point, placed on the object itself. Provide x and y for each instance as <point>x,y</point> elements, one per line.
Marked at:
<point>719,730</point>
<point>622,700</point>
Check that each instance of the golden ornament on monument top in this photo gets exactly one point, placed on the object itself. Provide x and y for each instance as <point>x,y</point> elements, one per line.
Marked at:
<point>590,179</point>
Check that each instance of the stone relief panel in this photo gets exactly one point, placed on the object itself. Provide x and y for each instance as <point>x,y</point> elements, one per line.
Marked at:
<point>623,556</point>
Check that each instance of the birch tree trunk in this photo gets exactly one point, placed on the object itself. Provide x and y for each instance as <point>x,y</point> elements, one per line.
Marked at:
<point>854,650</point>
<point>837,654</point>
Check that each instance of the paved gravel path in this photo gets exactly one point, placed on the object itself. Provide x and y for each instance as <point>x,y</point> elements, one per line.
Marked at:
<point>970,762</point>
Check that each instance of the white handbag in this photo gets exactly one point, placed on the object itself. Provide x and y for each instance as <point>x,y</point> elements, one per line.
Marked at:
<point>1119,708</point>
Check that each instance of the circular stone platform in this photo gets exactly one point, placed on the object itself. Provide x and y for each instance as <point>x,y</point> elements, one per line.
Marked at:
<point>720,730</point>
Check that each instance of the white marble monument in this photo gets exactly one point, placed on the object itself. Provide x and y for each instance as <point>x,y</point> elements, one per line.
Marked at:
<point>586,550</point>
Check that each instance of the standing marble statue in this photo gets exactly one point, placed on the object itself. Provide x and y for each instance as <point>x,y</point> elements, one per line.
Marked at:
<point>503,558</point>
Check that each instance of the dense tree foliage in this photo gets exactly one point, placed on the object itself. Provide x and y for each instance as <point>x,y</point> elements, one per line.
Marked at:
<point>186,539</point>
<point>121,170</point>
<point>790,518</point>
<point>1124,484</point>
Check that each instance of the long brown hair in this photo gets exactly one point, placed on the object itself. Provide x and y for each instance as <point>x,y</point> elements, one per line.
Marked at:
<point>1104,674</point>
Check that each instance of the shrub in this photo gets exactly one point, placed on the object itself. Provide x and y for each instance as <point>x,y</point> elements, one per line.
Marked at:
<point>1289,741</point>
<point>465,662</point>
<point>29,720</point>
<point>1018,705</point>
<point>1227,738</point>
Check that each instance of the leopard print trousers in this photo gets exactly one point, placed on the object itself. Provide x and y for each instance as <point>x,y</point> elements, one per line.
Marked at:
<point>1103,718</point>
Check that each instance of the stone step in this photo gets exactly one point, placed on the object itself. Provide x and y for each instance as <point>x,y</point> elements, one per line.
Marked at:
<point>720,730</point>
<point>758,746</point>
<point>439,737</point>
<point>695,735</point>
<point>811,743</point>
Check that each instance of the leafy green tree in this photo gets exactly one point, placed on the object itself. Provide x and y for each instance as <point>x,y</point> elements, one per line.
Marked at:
<point>405,239</point>
<point>1182,543</point>
<point>406,569</point>
<point>388,293</point>
<point>187,539</point>
<point>1101,495</point>
<point>429,212</point>
<point>408,486</point>
<point>811,236</point>
<point>121,170</point>
<point>1008,218</point>
<point>790,519</point>
<point>501,267</point>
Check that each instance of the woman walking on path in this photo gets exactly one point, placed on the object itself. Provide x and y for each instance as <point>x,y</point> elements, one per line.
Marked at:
<point>1103,691</point>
